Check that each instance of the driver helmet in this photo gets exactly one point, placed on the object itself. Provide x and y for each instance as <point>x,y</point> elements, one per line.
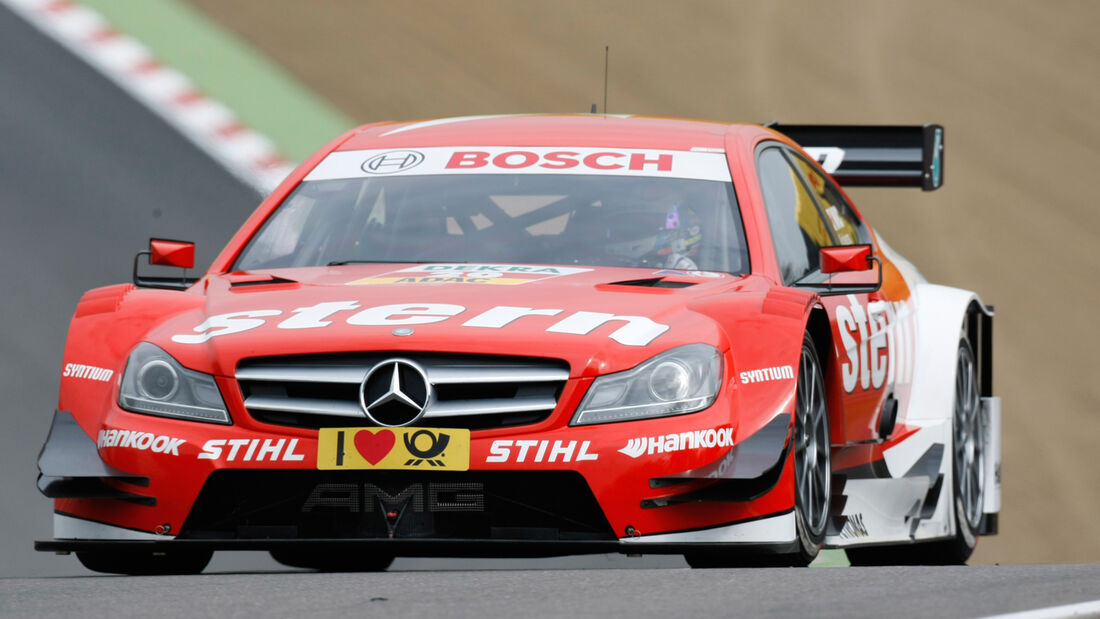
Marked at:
<point>652,228</point>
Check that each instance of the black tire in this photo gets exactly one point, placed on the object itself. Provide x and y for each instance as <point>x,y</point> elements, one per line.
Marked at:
<point>812,475</point>
<point>146,563</point>
<point>813,462</point>
<point>331,561</point>
<point>968,486</point>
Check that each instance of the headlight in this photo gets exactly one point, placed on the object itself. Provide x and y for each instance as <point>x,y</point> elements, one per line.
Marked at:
<point>675,382</point>
<point>156,384</point>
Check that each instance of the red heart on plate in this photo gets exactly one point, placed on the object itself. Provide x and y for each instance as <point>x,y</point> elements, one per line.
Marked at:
<point>373,447</point>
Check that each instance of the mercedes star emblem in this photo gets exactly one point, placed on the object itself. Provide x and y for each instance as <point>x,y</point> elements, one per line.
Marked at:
<point>395,393</point>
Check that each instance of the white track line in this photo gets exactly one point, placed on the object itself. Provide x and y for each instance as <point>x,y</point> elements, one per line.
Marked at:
<point>1084,609</point>
<point>210,125</point>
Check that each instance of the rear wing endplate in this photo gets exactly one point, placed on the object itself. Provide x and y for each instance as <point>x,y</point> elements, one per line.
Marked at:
<point>874,155</point>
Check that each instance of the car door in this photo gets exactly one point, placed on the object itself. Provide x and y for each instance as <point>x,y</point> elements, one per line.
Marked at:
<point>806,213</point>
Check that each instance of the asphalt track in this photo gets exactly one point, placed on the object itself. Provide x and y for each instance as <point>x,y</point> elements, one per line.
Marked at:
<point>86,177</point>
<point>898,593</point>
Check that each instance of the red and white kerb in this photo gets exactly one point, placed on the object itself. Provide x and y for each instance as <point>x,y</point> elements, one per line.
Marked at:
<point>207,123</point>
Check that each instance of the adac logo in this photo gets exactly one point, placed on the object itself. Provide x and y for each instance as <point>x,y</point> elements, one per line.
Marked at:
<point>507,274</point>
<point>393,161</point>
<point>393,448</point>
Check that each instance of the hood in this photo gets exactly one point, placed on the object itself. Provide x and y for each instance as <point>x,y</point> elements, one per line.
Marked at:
<point>598,319</point>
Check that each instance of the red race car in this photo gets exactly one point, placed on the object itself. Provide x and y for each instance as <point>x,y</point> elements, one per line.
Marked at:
<point>535,336</point>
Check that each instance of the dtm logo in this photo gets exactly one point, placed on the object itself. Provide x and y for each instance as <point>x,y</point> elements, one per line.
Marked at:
<point>393,161</point>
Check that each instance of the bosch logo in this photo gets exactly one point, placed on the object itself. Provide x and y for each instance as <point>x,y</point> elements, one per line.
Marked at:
<point>393,161</point>
<point>395,393</point>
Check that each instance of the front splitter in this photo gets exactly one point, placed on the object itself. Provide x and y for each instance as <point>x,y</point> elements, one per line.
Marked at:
<point>424,547</point>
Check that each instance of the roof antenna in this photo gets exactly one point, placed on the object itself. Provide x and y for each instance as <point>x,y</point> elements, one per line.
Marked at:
<point>606,53</point>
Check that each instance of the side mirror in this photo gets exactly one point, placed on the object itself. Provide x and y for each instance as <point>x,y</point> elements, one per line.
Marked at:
<point>165,252</point>
<point>845,259</point>
<point>172,253</point>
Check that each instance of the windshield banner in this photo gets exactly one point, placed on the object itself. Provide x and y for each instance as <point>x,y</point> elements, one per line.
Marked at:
<point>522,160</point>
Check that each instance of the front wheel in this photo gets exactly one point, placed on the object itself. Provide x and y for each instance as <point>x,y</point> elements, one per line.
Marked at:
<point>146,563</point>
<point>812,474</point>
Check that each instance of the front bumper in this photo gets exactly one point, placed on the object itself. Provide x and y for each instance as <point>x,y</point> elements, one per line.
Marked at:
<point>69,466</point>
<point>644,493</point>
<point>771,534</point>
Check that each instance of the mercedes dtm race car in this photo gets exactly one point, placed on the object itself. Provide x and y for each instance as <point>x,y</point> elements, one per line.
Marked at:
<point>534,336</point>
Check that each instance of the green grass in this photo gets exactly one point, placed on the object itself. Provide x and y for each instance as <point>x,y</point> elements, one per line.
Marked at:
<point>831,558</point>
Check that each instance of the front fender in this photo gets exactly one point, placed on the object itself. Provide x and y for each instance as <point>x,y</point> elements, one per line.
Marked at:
<point>106,326</point>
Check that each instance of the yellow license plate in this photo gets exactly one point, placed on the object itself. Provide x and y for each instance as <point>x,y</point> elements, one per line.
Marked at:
<point>435,449</point>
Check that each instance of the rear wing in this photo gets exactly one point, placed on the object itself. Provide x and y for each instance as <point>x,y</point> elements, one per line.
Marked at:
<point>874,155</point>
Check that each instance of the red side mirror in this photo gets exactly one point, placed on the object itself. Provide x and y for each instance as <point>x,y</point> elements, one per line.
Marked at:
<point>845,258</point>
<point>172,253</point>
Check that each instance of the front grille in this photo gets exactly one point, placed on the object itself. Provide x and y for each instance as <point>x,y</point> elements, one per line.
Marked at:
<point>474,392</point>
<point>490,505</point>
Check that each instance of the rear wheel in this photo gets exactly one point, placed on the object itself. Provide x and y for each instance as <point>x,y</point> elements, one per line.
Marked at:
<point>968,471</point>
<point>331,561</point>
<point>146,563</point>
<point>811,474</point>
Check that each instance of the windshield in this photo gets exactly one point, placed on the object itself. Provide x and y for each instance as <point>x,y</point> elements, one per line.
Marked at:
<point>562,219</point>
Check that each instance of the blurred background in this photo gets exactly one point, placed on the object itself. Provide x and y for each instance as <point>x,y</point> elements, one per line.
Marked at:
<point>1016,85</point>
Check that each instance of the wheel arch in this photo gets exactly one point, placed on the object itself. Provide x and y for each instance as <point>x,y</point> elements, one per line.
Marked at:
<point>817,325</point>
<point>943,315</point>
<point>978,328</point>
